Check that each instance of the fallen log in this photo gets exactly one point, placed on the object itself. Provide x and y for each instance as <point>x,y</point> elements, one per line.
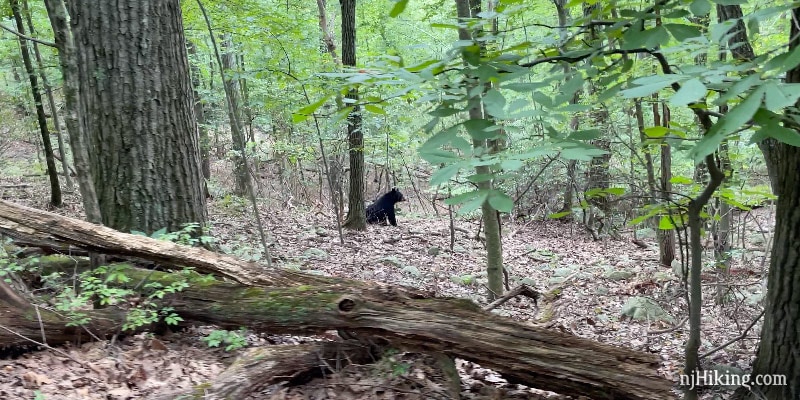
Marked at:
<point>293,363</point>
<point>279,301</point>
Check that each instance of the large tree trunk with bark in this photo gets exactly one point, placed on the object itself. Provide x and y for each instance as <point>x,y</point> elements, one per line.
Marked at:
<point>136,106</point>
<point>780,339</point>
<point>280,301</point>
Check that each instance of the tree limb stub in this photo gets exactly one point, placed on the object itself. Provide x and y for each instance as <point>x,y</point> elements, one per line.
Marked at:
<point>284,301</point>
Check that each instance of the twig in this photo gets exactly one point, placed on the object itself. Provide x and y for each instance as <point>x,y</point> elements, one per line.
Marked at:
<point>668,330</point>
<point>523,290</point>
<point>740,337</point>
<point>50,44</point>
<point>525,254</point>
<point>47,346</point>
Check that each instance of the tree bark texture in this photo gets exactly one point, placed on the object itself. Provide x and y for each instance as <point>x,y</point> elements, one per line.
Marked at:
<point>78,140</point>
<point>780,335</point>
<point>52,173</point>
<point>278,301</point>
<point>136,106</point>
<point>356,212</point>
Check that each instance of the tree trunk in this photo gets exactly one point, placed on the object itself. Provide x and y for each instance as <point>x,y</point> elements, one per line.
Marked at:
<point>468,9</point>
<point>136,101</point>
<point>240,173</point>
<point>200,117</point>
<point>647,148</point>
<point>569,189</point>
<point>52,173</point>
<point>721,228</point>
<point>356,212</point>
<point>282,301</point>
<point>778,349</point>
<point>666,238</point>
<point>68,58</point>
<point>48,89</point>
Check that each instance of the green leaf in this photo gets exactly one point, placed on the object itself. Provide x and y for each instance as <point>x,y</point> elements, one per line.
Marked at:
<point>681,180</point>
<point>438,156</point>
<point>656,131</point>
<point>721,30</point>
<point>445,173</point>
<point>441,138</point>
<point>784,62</point>
<point>559,214</point>
<point>735,118</point>
<point>650,38</point>
<point>700,7</point>
<point>665,223</point>
<point>500,201</point>
<point>398,8</point>
<point>478,178</point>
<point>682,32</point>
<point>784,135</point>
<point>309,109</point>
<point>691,91</point>
<point>526,87</point>
<point>653,86</point>
<point>511,165</point>
<point>585,134</point>
<point>374,109</point>
<point>790,94</point>
<point>470,201</point>
<point>443,111</point>
<point>494,103</point>
<point>422,65</point>
<point>741,86</point>
<point>463,197</point>
<point>480,129</point>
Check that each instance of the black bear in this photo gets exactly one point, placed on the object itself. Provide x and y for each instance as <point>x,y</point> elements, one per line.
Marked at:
<point>383,208</point>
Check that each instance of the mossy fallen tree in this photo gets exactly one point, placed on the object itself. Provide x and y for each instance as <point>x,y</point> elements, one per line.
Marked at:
<point>282,301</point>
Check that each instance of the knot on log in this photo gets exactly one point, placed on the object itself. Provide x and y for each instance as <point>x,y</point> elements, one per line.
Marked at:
<point>347,304</point>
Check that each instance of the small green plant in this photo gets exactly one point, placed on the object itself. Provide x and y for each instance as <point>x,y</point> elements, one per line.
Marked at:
<point>103,286</point>
<point>8,268</point>
<point>233,340</point>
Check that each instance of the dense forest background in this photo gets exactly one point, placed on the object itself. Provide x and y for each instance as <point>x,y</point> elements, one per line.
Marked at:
<point>659,137</point>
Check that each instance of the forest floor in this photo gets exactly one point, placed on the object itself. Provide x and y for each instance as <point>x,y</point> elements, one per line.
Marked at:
<point>590,283</point>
